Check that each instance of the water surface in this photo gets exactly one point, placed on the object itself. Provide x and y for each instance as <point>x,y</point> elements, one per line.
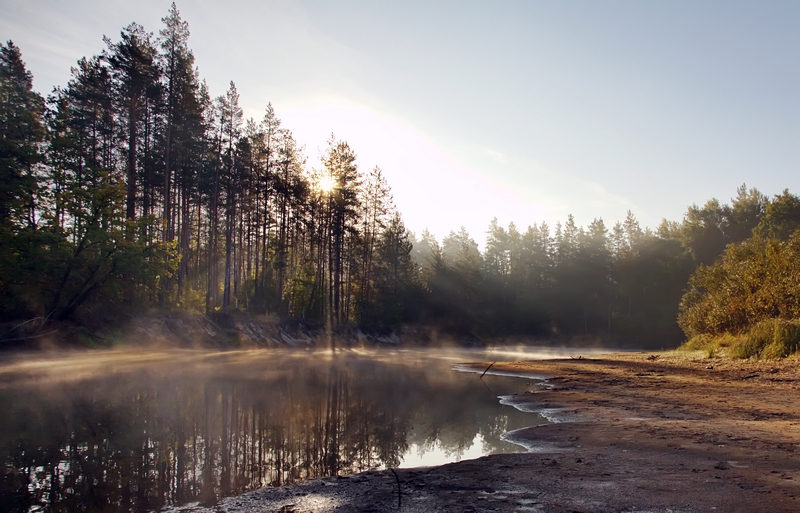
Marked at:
<point>135,431</point>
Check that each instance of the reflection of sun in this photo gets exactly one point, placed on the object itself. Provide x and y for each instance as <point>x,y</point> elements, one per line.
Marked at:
<point>326,184</point>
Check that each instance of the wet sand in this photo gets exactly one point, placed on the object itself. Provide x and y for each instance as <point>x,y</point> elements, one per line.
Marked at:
<point>640,432</point>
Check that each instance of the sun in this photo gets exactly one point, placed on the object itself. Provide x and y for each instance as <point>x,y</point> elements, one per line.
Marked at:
<point>326,184</point>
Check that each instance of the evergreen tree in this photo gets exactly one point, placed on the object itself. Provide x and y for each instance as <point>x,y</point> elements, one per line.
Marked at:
<point>376,207</point>
<point>21,132</point>
<point>21,111</point>
<point>342,205</point>
<point>177,70</point>
<point>395,277</point>
<point>230,129</point>
<point>134,72</point>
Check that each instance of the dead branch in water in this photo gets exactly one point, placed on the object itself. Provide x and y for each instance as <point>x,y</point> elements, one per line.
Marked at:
<point>487,369</point>
<point>487,387</point>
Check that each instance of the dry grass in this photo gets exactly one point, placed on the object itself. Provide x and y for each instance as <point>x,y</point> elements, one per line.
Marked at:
<point>771,339</point>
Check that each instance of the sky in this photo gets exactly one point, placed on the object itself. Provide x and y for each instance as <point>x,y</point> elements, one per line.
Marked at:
<point>525,111</point>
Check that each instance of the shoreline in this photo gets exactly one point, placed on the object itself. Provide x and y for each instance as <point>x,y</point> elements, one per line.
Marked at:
<point>641,432</point>
<point>193,330</point>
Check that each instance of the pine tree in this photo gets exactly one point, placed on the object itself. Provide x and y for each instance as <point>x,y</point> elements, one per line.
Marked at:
<point>339,161</point>
<point>567,245</point>
<point>376,207</point>
<point>134,71</point>
<point>177,66</point>
<point>633,233</point>
<point>21,131</point>
<point>230,120</point>
<point>395,276</point>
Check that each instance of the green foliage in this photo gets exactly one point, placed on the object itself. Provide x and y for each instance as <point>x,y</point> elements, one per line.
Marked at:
<point>580,282</point>
<point>66,243</point>
<point>781,217</point>
<point>707,230</point>
<point>21,132</point>
<point>703,231</point>
<point>770,339</point>
<point>745,213</point>
<point>748,299</point>
<point>753,281</point>
<point>397,284</point>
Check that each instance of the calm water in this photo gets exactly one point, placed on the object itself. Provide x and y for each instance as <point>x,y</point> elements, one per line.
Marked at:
<point>124,431</point>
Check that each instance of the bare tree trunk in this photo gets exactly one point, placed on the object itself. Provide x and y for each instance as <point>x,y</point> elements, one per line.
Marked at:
<point>211,294</point>
<point>130,203</point>
<point>229,231</point>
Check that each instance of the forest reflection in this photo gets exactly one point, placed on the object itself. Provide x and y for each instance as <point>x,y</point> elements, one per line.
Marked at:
<point>132,435</point>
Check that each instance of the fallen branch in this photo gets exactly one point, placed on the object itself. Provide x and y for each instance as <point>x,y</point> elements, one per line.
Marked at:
<point>30,337</point>
<point>487,369</point>
<point>578,358</point>
<point>20,325</point>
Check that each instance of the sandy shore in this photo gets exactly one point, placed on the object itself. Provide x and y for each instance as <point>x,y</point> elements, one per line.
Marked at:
<point>642,432</point>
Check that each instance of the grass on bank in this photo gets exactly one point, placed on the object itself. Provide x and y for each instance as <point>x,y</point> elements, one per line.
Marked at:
<point>769,339</point>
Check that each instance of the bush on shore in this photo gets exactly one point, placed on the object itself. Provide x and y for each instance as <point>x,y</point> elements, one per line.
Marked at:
<point>771,338</point>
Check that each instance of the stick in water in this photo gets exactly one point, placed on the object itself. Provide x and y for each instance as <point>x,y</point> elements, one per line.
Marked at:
<point>487,369</point>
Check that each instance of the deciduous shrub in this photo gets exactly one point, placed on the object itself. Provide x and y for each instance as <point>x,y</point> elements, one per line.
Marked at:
<point>753,281</point>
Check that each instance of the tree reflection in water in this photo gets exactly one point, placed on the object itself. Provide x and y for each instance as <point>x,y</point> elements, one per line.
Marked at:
<point>175,432</point>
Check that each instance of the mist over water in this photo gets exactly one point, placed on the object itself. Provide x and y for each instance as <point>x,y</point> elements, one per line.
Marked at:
<point>134,431</point>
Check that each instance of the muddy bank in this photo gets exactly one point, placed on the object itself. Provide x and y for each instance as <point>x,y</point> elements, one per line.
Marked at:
<point>199,332</point>
<point>193,330</point>
<point>646,432</point>
<point>158,329</point>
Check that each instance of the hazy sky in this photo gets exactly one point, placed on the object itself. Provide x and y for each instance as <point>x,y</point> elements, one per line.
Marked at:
<point>526,111</point>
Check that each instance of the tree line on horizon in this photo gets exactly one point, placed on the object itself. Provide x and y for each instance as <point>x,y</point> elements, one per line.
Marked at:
<point>133,188</point>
